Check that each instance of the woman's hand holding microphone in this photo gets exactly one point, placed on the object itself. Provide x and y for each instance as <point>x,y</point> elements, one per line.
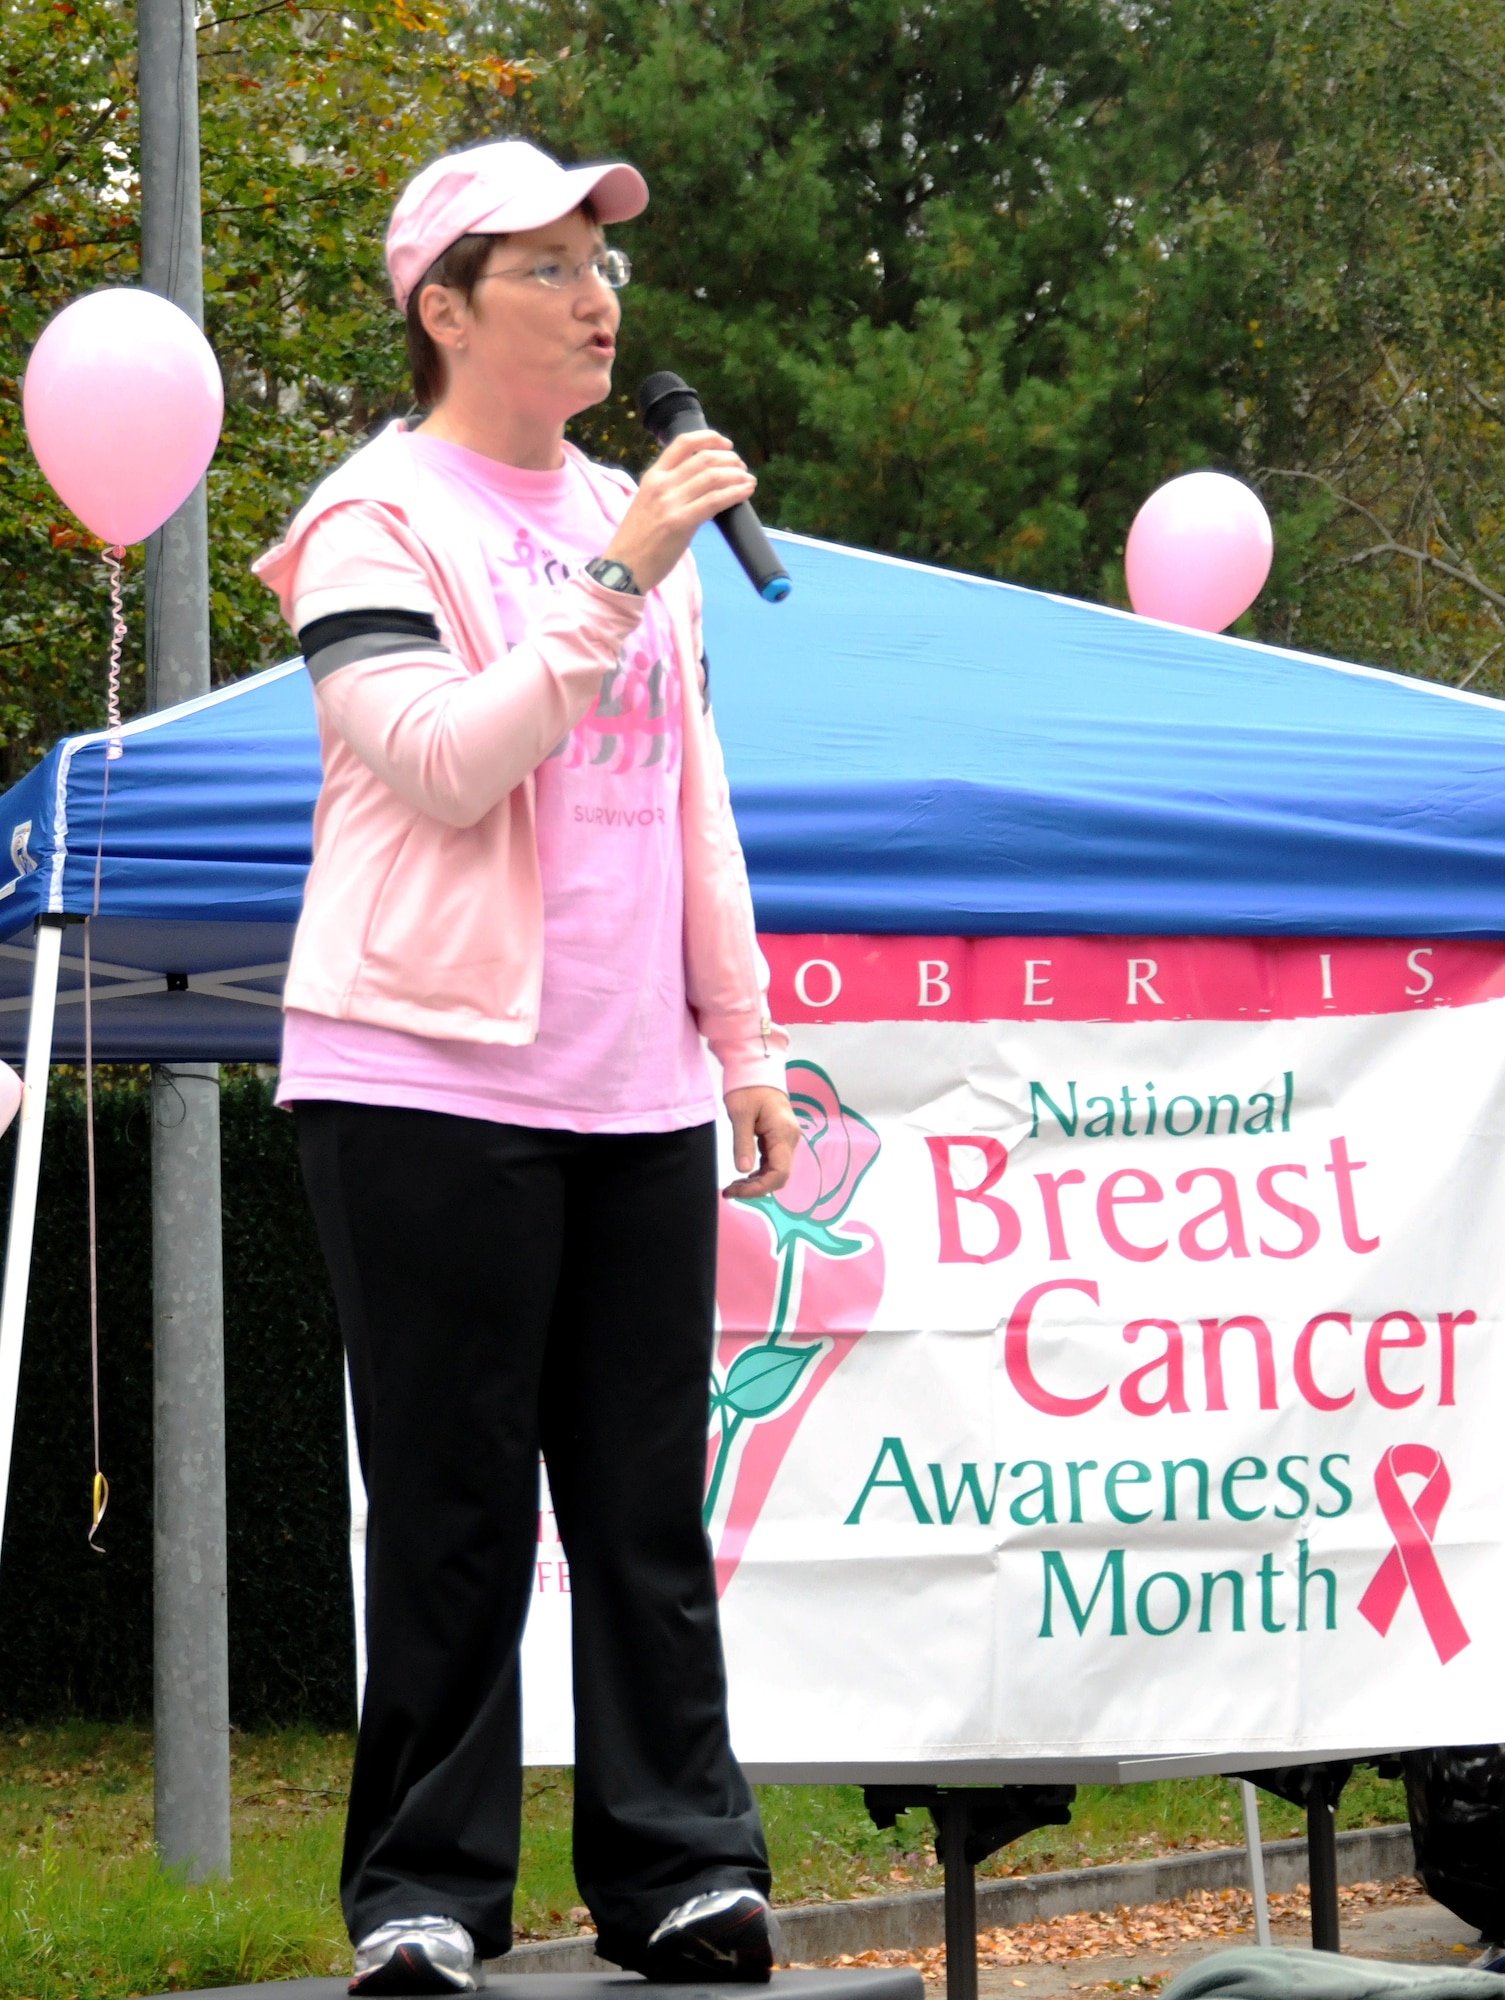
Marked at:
<point>692,480</point>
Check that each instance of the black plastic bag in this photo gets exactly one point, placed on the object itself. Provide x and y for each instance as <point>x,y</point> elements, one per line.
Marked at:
<point>1456,1800</point>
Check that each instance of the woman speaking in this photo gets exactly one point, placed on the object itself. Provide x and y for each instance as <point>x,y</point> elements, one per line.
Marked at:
<point>526,908</point>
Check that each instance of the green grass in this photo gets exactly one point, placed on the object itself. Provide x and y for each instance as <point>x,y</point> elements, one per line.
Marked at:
<point>823,1844</point>
<point>86,1914</point>
<point>84,1909</point>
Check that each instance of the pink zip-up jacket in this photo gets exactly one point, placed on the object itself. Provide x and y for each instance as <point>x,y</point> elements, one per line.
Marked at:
<point>424,909</point>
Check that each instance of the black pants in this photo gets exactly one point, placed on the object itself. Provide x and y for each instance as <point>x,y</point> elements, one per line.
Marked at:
<point>503,1290</point>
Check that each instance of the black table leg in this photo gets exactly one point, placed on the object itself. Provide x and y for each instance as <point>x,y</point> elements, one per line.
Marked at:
<point>1322,1864</point>
<point>961,1901</point>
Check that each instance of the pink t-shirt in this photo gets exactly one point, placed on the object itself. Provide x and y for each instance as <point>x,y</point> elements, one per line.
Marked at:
<point>617,1047</point>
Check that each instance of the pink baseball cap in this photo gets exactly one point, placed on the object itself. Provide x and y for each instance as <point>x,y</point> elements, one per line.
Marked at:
<point>491,191</point>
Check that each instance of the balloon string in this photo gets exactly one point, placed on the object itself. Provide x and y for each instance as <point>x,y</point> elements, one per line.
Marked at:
<point>112,558</point>
<point>114,748</point>
<point>101,1494</point>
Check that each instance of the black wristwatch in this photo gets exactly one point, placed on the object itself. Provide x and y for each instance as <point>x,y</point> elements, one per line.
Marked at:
<point>613,575</point>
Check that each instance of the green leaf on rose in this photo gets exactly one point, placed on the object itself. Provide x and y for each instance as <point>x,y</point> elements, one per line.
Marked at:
<point>789,1228</point>
<point>761,1379</point>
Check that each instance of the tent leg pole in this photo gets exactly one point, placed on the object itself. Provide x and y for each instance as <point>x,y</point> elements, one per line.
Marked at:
<point>960,1901</point>
<point>357,1545</point>
<point>191,1680</point>
<point>1322,1866</point>
<point>1253,1846</point>
<point>23,1200</point>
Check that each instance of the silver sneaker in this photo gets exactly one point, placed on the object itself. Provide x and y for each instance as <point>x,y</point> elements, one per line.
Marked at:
<point>721,1934</point>
<point>416,1955</point>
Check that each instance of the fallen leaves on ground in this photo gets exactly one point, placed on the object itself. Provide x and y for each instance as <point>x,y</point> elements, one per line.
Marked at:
<point>1352,1896</point>
<point>1127,1932</point>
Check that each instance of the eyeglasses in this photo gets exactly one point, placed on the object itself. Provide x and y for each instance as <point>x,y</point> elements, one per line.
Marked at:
<point>612,267</point>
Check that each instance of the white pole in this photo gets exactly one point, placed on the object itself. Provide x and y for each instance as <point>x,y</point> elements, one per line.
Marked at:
<point>357,1546</point>
<point>1256,1853</point>
<point>23,1199</point>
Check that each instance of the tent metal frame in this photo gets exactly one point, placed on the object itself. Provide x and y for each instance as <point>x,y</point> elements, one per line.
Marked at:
<point>49,961</point>
<point>28,1172</point>
<point>130,982</point>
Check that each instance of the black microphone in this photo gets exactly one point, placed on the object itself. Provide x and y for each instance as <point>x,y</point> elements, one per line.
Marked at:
<point>669,407</point>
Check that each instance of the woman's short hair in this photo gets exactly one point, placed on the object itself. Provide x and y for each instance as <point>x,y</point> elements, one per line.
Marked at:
<point>460,268</point>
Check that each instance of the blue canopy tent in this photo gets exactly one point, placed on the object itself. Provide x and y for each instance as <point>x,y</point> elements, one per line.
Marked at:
<point>910,751</point>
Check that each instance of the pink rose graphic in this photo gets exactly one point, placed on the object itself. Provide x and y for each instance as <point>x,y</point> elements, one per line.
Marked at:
<point>836,1149</point>
<point>769,1369</point>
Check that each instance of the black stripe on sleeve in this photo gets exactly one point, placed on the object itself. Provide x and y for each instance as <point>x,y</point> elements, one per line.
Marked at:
<point>347,636</point>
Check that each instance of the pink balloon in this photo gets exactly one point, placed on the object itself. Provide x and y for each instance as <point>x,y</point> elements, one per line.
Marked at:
<point>123,402</point>
<point>10,1094</point>
<point>1199,551</point>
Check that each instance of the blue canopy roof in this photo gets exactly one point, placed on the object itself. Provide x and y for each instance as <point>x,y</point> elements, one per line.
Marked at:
<point>910,750</point>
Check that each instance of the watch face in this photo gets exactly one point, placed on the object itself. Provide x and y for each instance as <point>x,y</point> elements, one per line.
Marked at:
<point>610,574</point>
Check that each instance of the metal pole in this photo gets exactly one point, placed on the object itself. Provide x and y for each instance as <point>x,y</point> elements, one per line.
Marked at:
<point>192,1700</point>
<point>23,1191</point>
<point>192,1763</point>
<point>1322,1867</point>
<point>960,1901</point>
<point>172,263</point>
<point>1253,1846</point>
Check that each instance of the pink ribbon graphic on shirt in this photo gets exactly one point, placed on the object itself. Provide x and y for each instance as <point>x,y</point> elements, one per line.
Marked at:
<point>1411,1562</point>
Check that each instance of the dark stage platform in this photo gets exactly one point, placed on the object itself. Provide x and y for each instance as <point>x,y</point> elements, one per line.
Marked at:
<point>889,1982</point>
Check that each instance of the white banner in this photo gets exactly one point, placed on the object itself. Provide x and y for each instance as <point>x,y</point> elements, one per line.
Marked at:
<point>1120,1372</point>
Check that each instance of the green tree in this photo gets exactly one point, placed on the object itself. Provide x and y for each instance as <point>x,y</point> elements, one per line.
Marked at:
<point>1376,428</point>
<point>312,117</point>
<point>965,284</point>
<point>968,285</point>
<point>66,225</point>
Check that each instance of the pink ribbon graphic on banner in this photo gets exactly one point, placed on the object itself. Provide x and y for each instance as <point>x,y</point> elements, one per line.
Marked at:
<point>1411,1562</point>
